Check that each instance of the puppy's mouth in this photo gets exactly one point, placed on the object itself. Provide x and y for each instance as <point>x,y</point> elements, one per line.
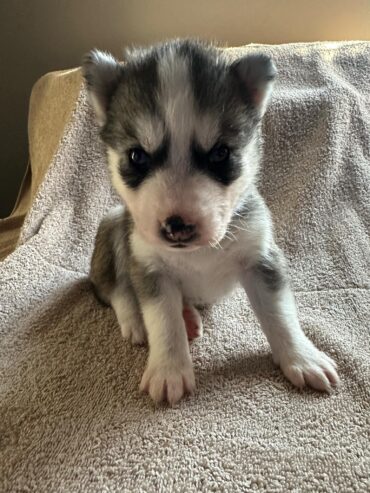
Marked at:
<point>178,239</point>
<point>187,246</point>
<point>181,242</point>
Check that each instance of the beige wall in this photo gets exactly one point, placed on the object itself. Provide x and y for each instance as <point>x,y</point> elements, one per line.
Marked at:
<point>37,36</point>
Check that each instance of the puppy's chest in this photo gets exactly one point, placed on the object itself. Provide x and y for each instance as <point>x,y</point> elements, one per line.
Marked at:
<point>204,278</point>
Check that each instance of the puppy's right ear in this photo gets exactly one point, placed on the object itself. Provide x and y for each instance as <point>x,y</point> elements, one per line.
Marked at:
<point>102,73</point>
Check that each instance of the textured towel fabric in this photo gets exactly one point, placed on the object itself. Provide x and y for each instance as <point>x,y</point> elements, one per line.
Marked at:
<point>72,418</point>
<point>52,100</point>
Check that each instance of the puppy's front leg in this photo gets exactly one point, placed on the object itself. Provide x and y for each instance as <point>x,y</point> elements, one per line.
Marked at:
<point>267,286</point>
<point>169,373</point>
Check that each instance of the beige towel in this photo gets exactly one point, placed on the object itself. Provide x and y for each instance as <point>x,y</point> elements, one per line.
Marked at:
<point>52,101</point>
<point>72,418</point>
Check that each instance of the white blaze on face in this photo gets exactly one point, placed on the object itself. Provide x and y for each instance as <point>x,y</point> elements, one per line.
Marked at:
<point>177,105</point>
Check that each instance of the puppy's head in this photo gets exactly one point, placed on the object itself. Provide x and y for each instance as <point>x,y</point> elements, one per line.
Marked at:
<point>181,125</point>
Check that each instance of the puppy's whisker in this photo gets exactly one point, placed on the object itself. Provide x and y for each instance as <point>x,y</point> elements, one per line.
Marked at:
<point>229,234</point>
<point>241,229</point>
<point>215,244</point>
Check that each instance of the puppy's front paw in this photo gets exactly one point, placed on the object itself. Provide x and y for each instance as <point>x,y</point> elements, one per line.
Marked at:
<point>306,365</point>
<point>168,382</point>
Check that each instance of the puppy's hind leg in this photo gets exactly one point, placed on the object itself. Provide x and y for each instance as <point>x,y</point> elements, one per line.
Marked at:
<point>193,321</point>
<point>110,276</point>
<point>130,320</point>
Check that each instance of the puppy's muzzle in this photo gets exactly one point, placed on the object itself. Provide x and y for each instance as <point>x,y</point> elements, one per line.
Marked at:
<point>174,230</point>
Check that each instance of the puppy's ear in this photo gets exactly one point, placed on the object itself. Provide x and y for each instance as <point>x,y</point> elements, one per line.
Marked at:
<point>256,73</point>
<point>102,72</point>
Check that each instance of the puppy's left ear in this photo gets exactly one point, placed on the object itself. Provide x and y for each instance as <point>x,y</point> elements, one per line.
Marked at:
<point>256,73</point>
<point>102,73</point>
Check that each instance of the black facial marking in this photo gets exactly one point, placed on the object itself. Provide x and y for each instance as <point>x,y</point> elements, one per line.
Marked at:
<point>134,174</point>
<point>223,171</point>
<point>136,95</point>
<point>207,76</point>
<point>138,157</point>
<point>220,153</point>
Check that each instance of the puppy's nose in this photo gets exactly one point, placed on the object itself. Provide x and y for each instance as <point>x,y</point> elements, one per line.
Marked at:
<point>174,230</point>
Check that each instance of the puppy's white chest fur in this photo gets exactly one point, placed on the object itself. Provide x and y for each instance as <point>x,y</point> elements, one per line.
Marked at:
<point>204,275</point>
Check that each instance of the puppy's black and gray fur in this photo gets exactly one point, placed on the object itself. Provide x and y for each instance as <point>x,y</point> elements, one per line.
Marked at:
<point>182,128</point>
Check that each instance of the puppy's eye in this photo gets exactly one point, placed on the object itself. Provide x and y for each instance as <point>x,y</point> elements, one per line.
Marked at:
<point>138,157</point>
<point>219,154</point>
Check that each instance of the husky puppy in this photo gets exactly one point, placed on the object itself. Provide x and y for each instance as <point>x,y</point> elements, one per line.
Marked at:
<point>182,128</point>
